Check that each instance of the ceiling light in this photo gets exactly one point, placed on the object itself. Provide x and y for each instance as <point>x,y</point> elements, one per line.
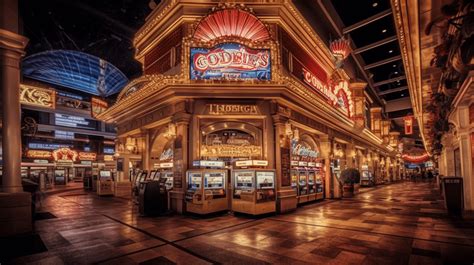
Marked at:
<point>394,65</point>
<point>375,4</point>
<point>403,95</point>
<point>384,30</point>
<point>390,51</point>
<point>396,72</point>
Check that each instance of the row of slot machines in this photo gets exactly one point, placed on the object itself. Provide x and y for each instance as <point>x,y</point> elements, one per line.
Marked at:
<point>308,183</point>
<point>250,191</point>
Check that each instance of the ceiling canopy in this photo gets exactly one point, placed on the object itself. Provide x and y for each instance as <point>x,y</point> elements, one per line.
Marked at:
<point>75,70</point>
<point>231,22</point>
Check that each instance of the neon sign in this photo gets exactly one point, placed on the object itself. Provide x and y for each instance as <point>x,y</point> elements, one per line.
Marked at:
<point>87,156</point>
<point>230,61</point>
<point>339,94</point>
<point>38,154</point>
<point>65,154</point>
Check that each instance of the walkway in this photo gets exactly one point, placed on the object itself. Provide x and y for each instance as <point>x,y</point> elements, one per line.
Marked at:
<point>403,223</point>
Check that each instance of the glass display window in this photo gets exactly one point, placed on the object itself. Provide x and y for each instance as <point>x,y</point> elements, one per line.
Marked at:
<point>265,179</point>
<point>194,180</point>
<point>311,178</point>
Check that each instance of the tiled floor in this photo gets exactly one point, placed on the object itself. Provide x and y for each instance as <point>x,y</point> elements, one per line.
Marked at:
<point>402,223</point>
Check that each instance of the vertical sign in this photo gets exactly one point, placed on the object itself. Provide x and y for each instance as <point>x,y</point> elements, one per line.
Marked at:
<point>408,124</point>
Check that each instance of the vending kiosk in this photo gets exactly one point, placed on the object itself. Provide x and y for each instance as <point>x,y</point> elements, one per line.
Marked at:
<point>366,178</point>
<point>207,188</point>
<point>319,181</point>
<point>105,183</point>
<point>253,191</point>
<point>311,184</point>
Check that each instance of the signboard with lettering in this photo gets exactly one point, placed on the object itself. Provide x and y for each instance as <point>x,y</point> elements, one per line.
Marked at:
<point>73,121</point>
<point>222,109</point>
<point>338,94</point>
<point>230,61</point>
<point>38,154</point>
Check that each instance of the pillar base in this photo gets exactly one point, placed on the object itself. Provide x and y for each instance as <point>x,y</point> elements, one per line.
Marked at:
<point>286,200</point>
<point>177,201</point>
<point>15,214</point>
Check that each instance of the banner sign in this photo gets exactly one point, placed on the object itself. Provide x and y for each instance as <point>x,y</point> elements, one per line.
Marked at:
<point>416,158</point>
<point>408,120</point>
<point>339,94</point>
<point>230,61</point>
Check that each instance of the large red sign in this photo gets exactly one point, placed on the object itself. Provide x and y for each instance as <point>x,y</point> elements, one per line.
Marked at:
<point>338,94</point>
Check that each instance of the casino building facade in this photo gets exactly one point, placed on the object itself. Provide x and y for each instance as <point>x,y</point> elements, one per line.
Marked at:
<point>249,89</point>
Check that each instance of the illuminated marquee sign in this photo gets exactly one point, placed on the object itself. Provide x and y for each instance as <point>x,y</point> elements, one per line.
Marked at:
<point>227,150</point>
<point>98,106</point>
<point>36,96</point>
<point>219,109</point>
<point>58,134</point>
<point>339,94</point>
<point>87,156</point>
<point>65,154</point>
<point>230,61</point>
<point>38,154</point>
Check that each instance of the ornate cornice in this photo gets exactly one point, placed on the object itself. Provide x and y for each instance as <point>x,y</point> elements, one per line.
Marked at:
<point>12,42</point>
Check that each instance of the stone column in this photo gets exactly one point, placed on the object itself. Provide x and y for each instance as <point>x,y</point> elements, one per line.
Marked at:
<point>358,97</point>
<point>286,196</point>
<point>325,145</point>
<point>180,161</point>
<point>376,121</point>
<point>350,156</point>
<point>15,205</point>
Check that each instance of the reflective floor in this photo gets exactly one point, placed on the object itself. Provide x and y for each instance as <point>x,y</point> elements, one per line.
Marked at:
<point>402,223</point>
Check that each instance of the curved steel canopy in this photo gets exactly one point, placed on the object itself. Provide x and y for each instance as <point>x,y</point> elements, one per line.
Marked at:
<point>75,70</point>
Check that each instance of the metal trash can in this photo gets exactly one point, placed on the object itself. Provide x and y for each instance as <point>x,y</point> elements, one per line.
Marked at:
<point>453,194</point>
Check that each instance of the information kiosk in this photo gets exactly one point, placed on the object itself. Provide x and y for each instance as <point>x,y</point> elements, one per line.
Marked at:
<point>105,183</point>
<point>366,179</point>
<point>207,188</point>
<point>253,191</point>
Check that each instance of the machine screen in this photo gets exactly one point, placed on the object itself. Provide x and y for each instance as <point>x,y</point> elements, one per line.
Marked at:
<point>194,180</point>
<point>214,180</point>
<point>265,179</point>
<point>105,175</point>
<point>244,179</point>
<point>311,177</point>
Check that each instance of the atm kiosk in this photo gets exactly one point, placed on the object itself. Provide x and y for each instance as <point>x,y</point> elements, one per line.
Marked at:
<point>366,179</point>
<point>207,188</point>
<point>253,191</point>
<point>105,183</point>
<point>152,197</point>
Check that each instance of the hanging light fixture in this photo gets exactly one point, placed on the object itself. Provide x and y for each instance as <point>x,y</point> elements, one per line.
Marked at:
<point>130,145</point>
<point>340,48</point>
